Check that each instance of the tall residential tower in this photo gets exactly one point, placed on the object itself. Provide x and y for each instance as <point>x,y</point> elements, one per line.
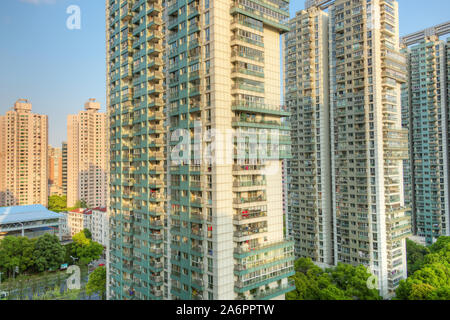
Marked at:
<point>310,220</point>
<point>197,196</point>
<point>137,157</point>
<point>426,109</point>
<point>87,157</point>
<point>23,157</point>
<point>363,72</point>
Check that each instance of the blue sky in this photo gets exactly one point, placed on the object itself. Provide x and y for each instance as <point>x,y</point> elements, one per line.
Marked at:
<point>59,69</point>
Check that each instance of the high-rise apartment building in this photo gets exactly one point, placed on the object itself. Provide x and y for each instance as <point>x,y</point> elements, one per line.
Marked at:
<point>137,136</point>
<point>197,228</point>
<point>87,159</point>
<point>23,156</point>
<point>310,220</point>
<point>55,171</point>
<point>367,220</point>
<point>426,115</point>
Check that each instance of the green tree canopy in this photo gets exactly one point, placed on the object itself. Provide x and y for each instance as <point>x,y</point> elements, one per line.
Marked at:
<point>432,280</point>
<point>80,204</point>
<point>48,253</point>
<point>441,244</point>
<point>97,282</point>
<point>87,233</point>
<point>57,203</point>
<point>16,252</point>
<point>344,282</point>
<point>415,254</point>
<point>85,249</point>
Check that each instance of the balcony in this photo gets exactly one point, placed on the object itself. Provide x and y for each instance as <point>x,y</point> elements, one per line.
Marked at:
<point>250,199</point>
<point>260,108</point>
<point>269,294</point>
<point>247,285</point>
<point>249,183</point>
<point>247,215</point>
<point>250,229</point>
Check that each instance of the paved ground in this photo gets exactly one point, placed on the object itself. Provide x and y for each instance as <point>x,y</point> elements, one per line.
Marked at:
<point>26,289</point>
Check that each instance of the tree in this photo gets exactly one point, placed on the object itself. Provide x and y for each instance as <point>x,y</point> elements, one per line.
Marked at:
<point>415,254</point>
<point>441,244</point>
<point>432,280</point>
<point>344,282</point>
<point>85,249</point>
<point>80,204</point>
<point>57,203</point>
<point>88,233</point>
<point>353,280</point>
<point>97,283</point>
<point>16,252</point>
<point>48,254</point>
<point>69,248</point>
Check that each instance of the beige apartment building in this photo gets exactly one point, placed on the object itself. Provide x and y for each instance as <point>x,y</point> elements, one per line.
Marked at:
<point>23,156</point>
<point>55,171</point>
<point>86,157</point>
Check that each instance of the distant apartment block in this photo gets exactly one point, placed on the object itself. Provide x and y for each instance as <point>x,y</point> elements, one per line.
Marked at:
<point>343,82</point>
<point>23,156</point>
<point>425,104</point>
<point>55,171</point>
<point>86,157</point>
<point>64,168</point>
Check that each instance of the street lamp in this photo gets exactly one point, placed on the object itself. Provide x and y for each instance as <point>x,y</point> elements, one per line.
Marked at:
<point>23,231</point>
<point>74,259</point>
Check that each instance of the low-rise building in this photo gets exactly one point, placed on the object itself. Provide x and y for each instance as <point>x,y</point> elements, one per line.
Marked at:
<point>95,220</point>
<point>29,221</point>
<point>99,226</point>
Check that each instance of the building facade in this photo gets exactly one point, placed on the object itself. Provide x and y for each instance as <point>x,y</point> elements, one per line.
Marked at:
<point>55,171</point>
<point>137,136</point>
<point>363,70</point>
<point>23,156</point>
<point>100,226</point>
<point>310,219</point>
<point>87,158</point>
<point>64,168</point>
<point>426,115</point>
<point>95,220</point>
<point>220,219</point>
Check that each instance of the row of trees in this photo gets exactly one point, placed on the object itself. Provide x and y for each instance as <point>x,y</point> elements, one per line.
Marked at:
<point>428,277</point>
<point>343,282</point>
<point>59,204</point>
<point>45,253</point>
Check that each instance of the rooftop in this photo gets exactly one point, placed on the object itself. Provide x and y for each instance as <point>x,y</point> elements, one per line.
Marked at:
<point>26,213</point>
<point>88,211</point>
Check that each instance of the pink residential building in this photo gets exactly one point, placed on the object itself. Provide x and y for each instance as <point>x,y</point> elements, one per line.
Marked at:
<point>23,156</point>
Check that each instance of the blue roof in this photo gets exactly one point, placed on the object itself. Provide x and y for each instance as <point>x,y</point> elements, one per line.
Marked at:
<point>26,213</point>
